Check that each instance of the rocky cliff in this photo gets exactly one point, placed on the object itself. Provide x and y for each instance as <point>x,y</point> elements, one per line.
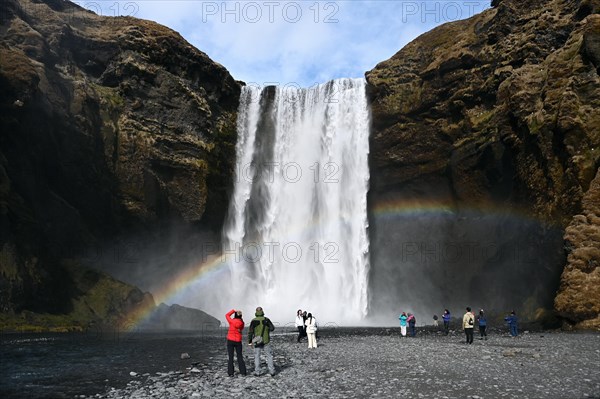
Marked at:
<point>578,299</point>
<point>495,120</point>
<point>108,125</point>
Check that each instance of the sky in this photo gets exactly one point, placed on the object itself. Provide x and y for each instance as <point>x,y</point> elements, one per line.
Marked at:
<point>301,42</point>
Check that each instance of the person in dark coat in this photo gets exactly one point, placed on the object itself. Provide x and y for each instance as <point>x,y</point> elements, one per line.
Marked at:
<point>446,318</point>
<point>511,319</point>
<point>482,321</point>
<point>412,322</point>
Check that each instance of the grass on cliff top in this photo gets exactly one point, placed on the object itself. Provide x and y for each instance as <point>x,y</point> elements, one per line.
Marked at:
<point>434,47</point>
<point>29,322</point>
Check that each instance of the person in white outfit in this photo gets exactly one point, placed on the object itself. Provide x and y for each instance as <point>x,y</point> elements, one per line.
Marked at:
<point>311,330</point>
<point>300,324</point>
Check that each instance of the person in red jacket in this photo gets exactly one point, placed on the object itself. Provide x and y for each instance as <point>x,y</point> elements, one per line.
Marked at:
<point>234,341</point>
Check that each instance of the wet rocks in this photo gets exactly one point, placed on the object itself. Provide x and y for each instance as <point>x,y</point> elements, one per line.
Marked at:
<point>382,365</point>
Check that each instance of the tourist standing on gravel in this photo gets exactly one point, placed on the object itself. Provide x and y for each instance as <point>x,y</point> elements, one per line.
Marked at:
<point>412,321</point>
<point>304,316</point>
<point>234,341</point>
<point>468,325</point>
<point>446,317</point>
<point>403,324</point>
<point>311,331</point>
<point>300,324</point>
<point>512,323</point>
<point>259,336</point>
<point>482,321</point>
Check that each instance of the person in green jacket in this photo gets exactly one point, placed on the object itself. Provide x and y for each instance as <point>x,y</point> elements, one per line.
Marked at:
<point>259,336</point>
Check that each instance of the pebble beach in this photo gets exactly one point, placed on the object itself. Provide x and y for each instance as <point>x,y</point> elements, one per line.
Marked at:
<point>377,362</point>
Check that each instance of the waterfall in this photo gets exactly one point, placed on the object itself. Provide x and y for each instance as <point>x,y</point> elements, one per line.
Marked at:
<point>296,232</point>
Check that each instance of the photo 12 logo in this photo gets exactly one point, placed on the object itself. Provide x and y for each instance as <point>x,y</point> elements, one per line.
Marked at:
<point>440,11</point>
<point>270,11</point>
<point>112,8</point>
<point>452,252</point>
<point>290,252</point>
<point>82,10</point>
<point>288,172</point>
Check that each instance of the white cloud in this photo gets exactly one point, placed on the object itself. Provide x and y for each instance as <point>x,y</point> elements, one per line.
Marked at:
<point>302,41</point>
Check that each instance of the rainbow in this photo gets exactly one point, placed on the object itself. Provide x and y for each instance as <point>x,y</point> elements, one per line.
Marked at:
<point>202,271</point>
<point>399,208</point>
<point>408,208</point>
<point>214,265</point>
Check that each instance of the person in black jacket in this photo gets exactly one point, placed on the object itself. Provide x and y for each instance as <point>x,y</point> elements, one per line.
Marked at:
<point>259,336</point>
<point>300,324</point>
<point>412,322</point>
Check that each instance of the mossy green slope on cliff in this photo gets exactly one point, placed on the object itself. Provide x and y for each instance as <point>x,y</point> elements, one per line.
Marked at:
<point>95,299</point>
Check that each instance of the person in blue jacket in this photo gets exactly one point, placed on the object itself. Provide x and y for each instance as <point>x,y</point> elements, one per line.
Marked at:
<point>403,324</point>
<point>446,317</point>
<point>512,323</point>
<point>482,321</point>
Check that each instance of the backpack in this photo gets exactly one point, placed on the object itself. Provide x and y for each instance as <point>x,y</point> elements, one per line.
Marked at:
<point>471,321</point>
<point>258,338</point>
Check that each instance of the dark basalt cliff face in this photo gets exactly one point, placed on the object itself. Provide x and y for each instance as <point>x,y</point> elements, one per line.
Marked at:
<point>108,125</point>
<point>497,119</point>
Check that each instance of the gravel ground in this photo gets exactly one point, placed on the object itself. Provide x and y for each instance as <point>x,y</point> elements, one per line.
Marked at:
<point>361,363</point>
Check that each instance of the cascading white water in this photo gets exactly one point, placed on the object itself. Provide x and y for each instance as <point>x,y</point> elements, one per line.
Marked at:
<point>296,234</point>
